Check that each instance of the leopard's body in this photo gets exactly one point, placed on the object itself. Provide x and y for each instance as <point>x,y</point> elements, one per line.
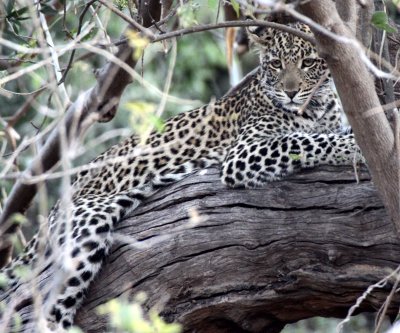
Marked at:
<point>256,135</point>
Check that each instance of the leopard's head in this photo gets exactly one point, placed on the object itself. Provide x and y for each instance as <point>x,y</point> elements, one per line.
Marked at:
<point>290,67</point>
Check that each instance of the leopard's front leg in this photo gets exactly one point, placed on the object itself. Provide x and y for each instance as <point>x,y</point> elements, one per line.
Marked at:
<point>77,254</point>
<point>85,246</point>
<point>253,160</point>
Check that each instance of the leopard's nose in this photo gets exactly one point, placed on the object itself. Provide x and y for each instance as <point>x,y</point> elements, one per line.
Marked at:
<point>291,93</point>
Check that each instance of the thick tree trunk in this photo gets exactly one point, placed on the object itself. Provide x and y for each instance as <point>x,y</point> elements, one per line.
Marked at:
<point>256,259</point>
<point>360,102</point>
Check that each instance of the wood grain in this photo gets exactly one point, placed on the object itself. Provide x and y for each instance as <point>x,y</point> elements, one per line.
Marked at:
<point>258,259</point>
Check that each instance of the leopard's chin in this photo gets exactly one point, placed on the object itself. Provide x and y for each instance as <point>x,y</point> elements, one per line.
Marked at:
<point>292,107</point>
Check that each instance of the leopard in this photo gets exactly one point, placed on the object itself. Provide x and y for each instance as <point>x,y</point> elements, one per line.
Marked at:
<point>285,118</point>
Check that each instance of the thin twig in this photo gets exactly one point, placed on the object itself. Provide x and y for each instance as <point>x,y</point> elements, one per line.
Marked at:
<point>171,13</point>
<point>6,64</point>
<point>342,39</point>
<point>46,61</point>
<point>313,91</point>
<point>246,23</point>
<point>147,32</point>
<point>71,58</point>
<point>386,305</point>
<point>380,284</point>
<point>54,57</point>
<point>24,108</point>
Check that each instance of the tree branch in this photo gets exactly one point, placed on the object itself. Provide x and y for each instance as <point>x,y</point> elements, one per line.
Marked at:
<point>101,101</point>
<point>348,12</point>
<point>247,23</point>
<point>313,243</point>
<point>146,32</point>
<point>364,14</point>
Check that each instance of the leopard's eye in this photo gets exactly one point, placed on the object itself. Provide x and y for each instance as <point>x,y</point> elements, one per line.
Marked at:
<point>308,62</point>
<point>276,64</point>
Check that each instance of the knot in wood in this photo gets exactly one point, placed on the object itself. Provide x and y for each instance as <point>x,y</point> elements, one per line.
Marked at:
<point>333,255</point>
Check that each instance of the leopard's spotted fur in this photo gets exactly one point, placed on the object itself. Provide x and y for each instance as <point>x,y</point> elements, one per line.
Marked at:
<point>256,134</point>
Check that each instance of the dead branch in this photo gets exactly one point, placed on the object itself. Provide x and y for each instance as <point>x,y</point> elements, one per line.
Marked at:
<point>256,259</point>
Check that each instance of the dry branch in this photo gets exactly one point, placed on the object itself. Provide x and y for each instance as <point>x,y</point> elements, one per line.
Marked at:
<point>98,104</point>
<point>259,259</point>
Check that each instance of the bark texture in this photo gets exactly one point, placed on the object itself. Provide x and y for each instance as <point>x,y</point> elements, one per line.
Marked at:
<point>360,102</point>
<point>258,259</point>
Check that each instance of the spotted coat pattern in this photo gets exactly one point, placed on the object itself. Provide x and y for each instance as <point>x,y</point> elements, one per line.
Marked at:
<point>286,118</point>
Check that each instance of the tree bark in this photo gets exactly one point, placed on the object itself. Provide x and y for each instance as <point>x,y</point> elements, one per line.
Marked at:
<point>258,259</point>
<point>360,102</point>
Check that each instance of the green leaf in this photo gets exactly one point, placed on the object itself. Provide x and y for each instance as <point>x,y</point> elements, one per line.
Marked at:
<point>381,21</point>
<point>19,218</point>
<point>295,157</point>
<point>18,13</point>
<point>15,26</point>
<point>396,2</point>
<point>121,4</point>
<point>130,317</point>
<point>379,18</point>
<point>22,271</point>
<point>9,6</point>
<point>17,321</point>
<point>236,7</point>
<point>157,122</point>
<point>138,43</point>
<point>3,280</point>
<point>48,10</point>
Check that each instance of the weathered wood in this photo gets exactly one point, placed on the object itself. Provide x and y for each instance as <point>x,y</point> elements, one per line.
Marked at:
<point>301,247</point>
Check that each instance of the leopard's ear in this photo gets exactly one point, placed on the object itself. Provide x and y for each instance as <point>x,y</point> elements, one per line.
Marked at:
<point>260,36</point>
<point>301,27</point>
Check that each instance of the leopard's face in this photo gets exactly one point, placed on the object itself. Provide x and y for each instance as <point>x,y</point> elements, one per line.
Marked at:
<point>291,67</point>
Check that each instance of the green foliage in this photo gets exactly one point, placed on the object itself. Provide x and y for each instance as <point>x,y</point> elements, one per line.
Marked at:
<point>187,14</point>
<point>137,42</point>
<point>22,272</point>
<point>18,218</point>
<point>196,70</point>
<point>295,157</point>
<point>381,21</point>
<point>121,4</point>
<point>47,10</point>
<point>236,7</point>
<point>13,19</point>
<point>143,118</point>
<point>130,318</point>
<point>3,280</point>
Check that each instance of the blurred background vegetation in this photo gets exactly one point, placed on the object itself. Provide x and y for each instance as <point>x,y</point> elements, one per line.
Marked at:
<point>201,73</point>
